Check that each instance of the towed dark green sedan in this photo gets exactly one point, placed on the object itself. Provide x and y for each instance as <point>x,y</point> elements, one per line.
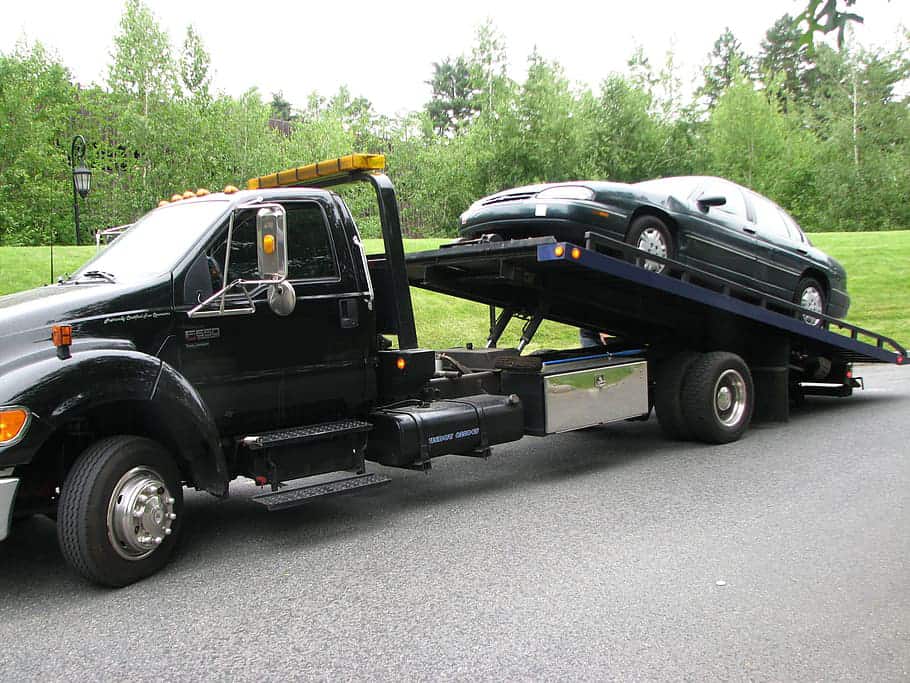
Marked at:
<point>705,222</point>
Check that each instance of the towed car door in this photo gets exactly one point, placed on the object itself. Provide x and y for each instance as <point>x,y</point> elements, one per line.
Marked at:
<point>783,257</point>
<point>720,239</point>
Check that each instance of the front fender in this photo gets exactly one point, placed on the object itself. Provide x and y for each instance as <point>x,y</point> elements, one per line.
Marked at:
<point>58,391</point>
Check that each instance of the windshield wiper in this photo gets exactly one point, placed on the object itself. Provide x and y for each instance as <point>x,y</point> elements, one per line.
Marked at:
<point>97,275</point>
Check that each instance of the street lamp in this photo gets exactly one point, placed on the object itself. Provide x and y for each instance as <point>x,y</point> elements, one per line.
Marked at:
<point>82,176</point>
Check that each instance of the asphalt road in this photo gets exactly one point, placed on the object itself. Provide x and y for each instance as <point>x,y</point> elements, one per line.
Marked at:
<point>606,554</point>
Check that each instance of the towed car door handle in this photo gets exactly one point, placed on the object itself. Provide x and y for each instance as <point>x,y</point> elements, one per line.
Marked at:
<point>749,230</point>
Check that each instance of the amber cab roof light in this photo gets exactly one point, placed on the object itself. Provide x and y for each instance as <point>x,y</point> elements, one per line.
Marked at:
<point>301,175</point>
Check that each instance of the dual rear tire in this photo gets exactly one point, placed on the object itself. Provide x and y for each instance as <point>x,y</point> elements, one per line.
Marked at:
<point>709,397</point>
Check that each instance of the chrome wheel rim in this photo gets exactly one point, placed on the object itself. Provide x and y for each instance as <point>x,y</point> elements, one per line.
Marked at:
<point>730,398</point>
<point>811,298</point>
<point>140,514</point>
<point>653,241</point>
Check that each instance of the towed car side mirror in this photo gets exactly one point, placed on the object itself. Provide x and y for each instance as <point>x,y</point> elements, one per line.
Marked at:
<point>711,200</point>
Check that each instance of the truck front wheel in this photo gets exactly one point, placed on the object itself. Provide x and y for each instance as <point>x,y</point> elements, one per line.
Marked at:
<point>120,510</point>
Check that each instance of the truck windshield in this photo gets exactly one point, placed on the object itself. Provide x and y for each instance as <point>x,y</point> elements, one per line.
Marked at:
<point>156,242</point>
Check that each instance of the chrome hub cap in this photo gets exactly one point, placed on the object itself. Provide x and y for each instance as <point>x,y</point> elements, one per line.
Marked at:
<point>652,241</point>
<point>140,514</point>
<point>811,298</point>
<point>730,398</point>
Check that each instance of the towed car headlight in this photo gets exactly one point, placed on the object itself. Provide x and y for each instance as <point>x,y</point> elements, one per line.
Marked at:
<point>13,424</point>
<point>566,192</point>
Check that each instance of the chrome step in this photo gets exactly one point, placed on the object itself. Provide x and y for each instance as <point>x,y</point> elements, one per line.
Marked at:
<point>315,432</point>
<point>292,497</point>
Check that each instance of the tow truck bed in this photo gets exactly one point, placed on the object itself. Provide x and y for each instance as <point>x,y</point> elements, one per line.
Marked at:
<point>585,287</point>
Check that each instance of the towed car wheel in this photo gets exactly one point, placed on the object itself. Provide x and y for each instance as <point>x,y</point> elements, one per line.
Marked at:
<point>650,234</point>
<point>810,294</point>
<point>120,510</point>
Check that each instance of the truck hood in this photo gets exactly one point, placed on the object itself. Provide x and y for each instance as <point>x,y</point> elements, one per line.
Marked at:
<point>26,317</point>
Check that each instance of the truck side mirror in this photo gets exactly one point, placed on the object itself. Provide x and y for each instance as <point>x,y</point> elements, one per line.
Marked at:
<point>271,242</point>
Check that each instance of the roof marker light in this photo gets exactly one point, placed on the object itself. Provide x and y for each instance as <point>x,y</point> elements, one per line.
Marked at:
<point>189,194</point>
<point>230,189</point>
<point>559,250</point>
<point>575,253</point>
<point>163,202</point>
<point>176,197</point>
<point>201,192</point>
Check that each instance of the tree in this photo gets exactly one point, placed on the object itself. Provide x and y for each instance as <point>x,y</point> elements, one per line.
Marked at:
<point>195,65</point>
<point>823,16</point>
<point>785,59</point>
<point>451,107</point>
<point>279,107</point>
<point>142,63</point>
<point>726,63</point>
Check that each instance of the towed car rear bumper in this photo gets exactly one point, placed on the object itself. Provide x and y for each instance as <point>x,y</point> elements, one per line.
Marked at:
<point>839,304</point>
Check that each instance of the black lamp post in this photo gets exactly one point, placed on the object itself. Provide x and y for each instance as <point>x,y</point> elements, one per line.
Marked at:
<point>82,176</point>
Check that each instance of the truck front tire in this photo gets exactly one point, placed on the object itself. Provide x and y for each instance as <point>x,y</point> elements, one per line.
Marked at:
<point>120,510</point>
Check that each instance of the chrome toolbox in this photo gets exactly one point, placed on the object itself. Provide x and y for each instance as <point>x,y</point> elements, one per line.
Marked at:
<point>567,394</point>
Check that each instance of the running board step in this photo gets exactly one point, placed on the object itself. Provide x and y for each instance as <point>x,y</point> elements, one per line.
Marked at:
<point>289,498</point>
<point>316,432</point>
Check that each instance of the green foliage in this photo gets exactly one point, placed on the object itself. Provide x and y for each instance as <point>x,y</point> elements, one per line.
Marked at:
<point>826,134</point>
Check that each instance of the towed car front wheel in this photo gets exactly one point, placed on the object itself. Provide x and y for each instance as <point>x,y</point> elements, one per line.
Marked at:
<point>651,234</point>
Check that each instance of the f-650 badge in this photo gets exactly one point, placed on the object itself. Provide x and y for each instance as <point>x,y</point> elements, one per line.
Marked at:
<point>202,334</point>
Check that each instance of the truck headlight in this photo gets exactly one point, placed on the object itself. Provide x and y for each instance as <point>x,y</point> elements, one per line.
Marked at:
<point>14,422</point>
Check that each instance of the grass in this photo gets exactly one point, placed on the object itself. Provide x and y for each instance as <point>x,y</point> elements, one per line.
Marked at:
<point>878,264</point>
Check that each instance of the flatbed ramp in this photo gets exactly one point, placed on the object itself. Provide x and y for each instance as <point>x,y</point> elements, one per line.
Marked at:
<point>586,287</point>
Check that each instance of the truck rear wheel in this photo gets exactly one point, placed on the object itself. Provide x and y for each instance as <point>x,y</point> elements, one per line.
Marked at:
<point>669,377</point>
<point>120,510</point>
<point>718,397</point>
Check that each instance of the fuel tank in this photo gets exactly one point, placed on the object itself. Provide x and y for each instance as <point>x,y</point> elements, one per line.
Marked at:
<point>408,435</point>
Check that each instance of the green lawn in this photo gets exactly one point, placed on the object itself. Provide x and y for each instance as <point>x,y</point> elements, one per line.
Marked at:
<point>878,264</point>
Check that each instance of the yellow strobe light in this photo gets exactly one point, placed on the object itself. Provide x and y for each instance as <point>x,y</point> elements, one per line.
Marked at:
<point>321,169</point>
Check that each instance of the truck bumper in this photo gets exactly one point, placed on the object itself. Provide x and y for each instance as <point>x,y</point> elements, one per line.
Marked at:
<point>8,488</point>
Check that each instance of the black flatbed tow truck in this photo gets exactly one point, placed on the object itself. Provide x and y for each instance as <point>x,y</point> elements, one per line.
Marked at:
<point>246,339</point>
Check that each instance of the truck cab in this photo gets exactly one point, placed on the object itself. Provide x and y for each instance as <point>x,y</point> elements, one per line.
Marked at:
<point>218,328</point>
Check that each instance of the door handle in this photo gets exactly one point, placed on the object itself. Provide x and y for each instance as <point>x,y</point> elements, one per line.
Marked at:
<point>750,231</point>
<point>804,252</point>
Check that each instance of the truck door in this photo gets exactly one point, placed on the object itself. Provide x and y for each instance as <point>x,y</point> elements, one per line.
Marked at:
<point>262,371</point>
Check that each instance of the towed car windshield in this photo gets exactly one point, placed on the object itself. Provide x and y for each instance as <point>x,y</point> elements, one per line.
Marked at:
<point>680,187</point>
<point>154,244</point>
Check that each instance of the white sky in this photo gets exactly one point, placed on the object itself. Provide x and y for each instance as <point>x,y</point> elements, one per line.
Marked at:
<point>385,50</point>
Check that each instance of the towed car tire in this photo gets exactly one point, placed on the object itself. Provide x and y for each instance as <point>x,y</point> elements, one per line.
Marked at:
<point>651,234</point>
<point>810,294</point>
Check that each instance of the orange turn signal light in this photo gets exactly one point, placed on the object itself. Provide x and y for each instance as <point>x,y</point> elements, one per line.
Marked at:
<point>400,363</point>
<point>268,244</point>
<point>62,335</point>
<point>559,250</point>
<point>12,422</point>
<point>575,253</point>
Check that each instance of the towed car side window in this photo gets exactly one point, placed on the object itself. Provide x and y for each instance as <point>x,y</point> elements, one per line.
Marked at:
<point>768,218</point>
<point>735,206</point>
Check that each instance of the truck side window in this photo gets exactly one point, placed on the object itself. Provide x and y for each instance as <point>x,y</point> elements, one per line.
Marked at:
<point>310,252</point>
<point>244,260</point>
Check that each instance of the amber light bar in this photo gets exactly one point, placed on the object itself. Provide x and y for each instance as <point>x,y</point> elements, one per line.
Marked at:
<point>321,169</point>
